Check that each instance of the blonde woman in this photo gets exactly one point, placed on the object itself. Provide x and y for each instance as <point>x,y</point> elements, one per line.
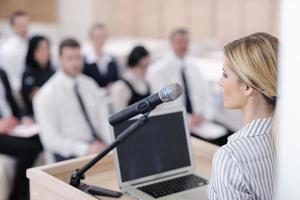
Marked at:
<point>244,168</point>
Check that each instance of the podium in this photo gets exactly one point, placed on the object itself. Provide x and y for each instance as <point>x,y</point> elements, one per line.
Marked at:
<point>50,182</point>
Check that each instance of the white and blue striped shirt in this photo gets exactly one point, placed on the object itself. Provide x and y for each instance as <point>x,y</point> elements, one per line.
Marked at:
<point>245,167</point>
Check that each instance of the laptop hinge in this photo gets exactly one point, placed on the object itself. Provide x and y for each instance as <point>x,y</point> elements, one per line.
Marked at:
<point>184,172</point>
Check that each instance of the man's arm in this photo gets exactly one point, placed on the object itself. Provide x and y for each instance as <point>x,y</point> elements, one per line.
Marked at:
<point>52,138</point>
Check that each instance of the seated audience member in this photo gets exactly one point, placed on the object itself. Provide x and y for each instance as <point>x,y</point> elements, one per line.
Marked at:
<point>179,67</point>
<point>14,48</point>
<point>133,86</point>
<point>24,150</point>
<point>38,70</point>
<point>102,67</point>
<point>69,110</point>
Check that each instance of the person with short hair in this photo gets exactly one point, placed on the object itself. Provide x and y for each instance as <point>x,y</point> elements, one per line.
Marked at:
<point>13,50</point>
<point>132,87</point>
<point>245,168</point>
<point>69,109</point>
<point>179,67</point>
<point>99,65</point>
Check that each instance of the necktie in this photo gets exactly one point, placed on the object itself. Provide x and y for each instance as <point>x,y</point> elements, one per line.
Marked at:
<point>84,112</point>
<point>188,103</point>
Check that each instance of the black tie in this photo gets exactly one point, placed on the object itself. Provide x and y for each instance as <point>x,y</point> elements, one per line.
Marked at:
<point>85,114</point>
<point>188,103</point>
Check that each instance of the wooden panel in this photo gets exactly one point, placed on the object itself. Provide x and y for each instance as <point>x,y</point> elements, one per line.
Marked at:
<point>105,13</point>
<point>258,16</point>
<point>221,19</point>
<point>174,15</point>
<point>125,17</point>
<point>149,21</point>
<point>274,21</point>
<point>229,19</point>
<point>199,16</point>
<point>40,11</point>
<point>50,182</point>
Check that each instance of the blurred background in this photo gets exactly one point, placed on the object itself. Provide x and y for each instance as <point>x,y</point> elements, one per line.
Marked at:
<point>210,22</point>
<point>210,25</point>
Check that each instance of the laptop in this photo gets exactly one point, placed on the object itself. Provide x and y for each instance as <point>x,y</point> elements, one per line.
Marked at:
<point>157,162</point>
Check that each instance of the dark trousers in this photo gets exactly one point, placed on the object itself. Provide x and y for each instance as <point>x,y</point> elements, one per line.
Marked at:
<point>59,158</point>
<point>218,141</point>
<point>25,151</point>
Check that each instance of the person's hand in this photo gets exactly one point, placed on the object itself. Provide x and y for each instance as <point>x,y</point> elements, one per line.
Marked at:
<point>96,147</point>
<point>109,88</point>
<point>196,120</point>
<point>27,120</point>
<point>7,124</point>
<point>33,92</point>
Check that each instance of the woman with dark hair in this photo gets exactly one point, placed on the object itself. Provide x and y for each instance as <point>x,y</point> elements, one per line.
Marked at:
<point>132,87</point>
<point>38,69</point>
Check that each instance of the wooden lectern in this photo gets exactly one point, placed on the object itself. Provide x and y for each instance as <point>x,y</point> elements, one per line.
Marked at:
<point>50,182</point>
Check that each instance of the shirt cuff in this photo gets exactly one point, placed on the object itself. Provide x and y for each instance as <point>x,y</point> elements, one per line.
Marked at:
<point>81,149</point>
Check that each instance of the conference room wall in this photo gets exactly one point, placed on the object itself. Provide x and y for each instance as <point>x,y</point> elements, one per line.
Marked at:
<point>223,20</point>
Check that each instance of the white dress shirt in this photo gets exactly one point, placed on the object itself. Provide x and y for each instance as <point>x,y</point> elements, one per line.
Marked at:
<point>12,59</point>
<point>168,70</point>
<point>245,167</point>
<point>121,94</point>
<point>63,128</point>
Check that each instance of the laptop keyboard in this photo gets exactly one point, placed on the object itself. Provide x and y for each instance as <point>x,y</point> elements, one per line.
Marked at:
<point>172,186</point>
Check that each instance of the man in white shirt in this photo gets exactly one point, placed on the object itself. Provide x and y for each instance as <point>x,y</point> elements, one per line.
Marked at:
<point>14,48</point>
<point>178,67</point>
<point>69,110</point>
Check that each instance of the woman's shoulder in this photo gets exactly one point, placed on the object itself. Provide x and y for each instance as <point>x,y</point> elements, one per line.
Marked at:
<point>222,157</point>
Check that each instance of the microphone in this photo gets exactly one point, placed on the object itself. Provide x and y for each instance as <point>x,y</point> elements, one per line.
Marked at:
<point>168,93</point>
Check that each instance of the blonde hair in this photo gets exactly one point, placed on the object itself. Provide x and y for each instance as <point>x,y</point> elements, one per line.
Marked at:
<point>254,59</point>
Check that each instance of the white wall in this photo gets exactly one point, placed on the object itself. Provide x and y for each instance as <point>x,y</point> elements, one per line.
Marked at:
<point>75,18</point>
<point>289,105</point>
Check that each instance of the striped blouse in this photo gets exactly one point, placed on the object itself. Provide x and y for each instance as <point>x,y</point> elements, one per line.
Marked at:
<point>245,167</point>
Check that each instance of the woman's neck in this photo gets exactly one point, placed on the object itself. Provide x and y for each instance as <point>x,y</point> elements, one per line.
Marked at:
<point>256,109</point>
<point>137,72</point>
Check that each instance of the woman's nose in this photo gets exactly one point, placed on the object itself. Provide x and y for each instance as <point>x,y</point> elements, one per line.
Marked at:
<point>220,82</point>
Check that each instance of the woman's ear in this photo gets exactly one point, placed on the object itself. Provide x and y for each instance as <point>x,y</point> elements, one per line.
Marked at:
<point>247,90</point>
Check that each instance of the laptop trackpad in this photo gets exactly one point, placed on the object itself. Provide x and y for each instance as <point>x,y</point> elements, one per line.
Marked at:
<point>199,194</point>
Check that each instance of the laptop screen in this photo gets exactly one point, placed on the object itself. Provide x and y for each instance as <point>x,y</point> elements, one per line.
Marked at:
<point>159,146</point>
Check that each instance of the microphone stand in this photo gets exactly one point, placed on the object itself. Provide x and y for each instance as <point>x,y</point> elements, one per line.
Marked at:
<point>78,175</point>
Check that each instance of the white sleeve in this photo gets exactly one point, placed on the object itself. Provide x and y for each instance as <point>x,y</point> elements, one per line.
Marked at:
<point>120,95</point>
<point>201,98</point>
<point>51,136</point>
<point>227,181</point>
<point>155,79</point>
<point>102,115</point>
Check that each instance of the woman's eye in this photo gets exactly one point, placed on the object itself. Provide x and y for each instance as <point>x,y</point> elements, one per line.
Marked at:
<point>224,75</point>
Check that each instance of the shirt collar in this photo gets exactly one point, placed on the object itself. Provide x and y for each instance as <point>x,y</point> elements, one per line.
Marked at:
<point>180,62</point>
<point>92,57</point>
<point>67,80</point>
<point>19,38</point>
<point>257,127</point>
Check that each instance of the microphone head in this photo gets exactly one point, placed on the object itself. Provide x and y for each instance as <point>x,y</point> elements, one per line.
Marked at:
<point>170,92</point>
